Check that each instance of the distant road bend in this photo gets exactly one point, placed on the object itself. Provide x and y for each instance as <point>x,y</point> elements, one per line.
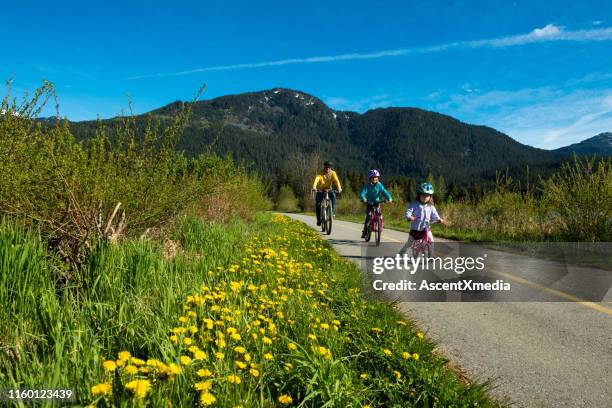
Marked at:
<point>538,354</point>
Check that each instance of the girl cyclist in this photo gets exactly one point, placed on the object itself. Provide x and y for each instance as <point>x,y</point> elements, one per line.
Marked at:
<point>422,212</point>
<point>372,194</point>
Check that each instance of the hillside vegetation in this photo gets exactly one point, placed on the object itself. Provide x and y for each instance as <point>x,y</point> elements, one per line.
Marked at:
<point>272,129</point>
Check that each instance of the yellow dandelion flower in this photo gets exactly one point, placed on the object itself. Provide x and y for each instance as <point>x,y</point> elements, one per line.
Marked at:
<point>185,360</point>
<point>207,399</point>
<point>109,365</point>
<point>285,399</point>
<point>292,346</point>
<point>376,329</point>
<point>204,372</point>
<point>203,385</point>
<point>267,340</point>
<point>254,372</point>
<point>363,376</point>
<point>268,356</point>
<point>324,326</point>
<point>137,362</point>
<point>130,369</point>
<point>199,355</point>
<point>401,323</point>
<point>235,336</point>
<point>247,357</point>
<point>241,365</point>
<point>174,369</point>
<point>406,355</point>
<point>415,356</point>
<point>219,355</point>
<point>239,349</point>
<point>124,355</point>
<point>139,388</point>
<point>187,341</point>
<point>234,379</point>
<point>102,389</point>
<point>420,335</point>
<point>174,339</point>
<point>387,352</point>
<point>398,375</point>
<point>182,319</point>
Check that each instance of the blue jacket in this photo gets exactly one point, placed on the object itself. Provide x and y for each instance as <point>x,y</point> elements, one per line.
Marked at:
<point>373,193</point>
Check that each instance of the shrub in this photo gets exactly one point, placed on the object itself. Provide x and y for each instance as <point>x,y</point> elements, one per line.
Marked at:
<point>287,201</point>
<point>122,181</point>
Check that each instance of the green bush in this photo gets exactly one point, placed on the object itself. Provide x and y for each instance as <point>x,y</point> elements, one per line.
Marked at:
<point>287,201</point>
<point>123,181</point>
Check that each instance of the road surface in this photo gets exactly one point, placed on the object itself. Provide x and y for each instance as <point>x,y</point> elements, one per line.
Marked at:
<point>537,354</point>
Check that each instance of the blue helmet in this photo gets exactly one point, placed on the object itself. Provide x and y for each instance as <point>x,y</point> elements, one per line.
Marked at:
<point>373,173</point>
<point>425,188</point>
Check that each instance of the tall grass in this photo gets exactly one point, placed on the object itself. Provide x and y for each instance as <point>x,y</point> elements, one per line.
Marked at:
<point>127,297</point>
<point>272,278</point>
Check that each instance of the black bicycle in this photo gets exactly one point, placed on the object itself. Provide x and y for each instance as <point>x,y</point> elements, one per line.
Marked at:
<point>326,211</point>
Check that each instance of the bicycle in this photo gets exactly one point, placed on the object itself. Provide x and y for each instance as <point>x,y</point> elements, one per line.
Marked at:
<point>376,223</point>
<point>326,211</point>
<point>423,245</point>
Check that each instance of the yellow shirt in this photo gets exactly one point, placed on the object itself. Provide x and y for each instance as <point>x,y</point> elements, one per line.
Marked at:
<point>324,181</point>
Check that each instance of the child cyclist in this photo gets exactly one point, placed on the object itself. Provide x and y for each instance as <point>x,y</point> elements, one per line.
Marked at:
<point>372,194</point>
<point>422,212</point>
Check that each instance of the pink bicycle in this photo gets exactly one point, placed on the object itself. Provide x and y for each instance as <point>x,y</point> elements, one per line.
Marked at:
<point>424,244</point>
<point>376,223</point>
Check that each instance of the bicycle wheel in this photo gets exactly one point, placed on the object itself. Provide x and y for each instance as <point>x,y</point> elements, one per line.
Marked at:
<point>378,230</point>
<point>323,215</point>
<point>329,220</point>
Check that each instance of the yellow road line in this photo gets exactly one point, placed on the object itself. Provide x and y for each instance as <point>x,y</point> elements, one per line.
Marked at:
<point>558,293</point>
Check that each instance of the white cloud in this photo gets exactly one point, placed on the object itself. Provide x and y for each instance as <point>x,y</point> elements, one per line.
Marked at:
<point>548,33</point>
<point>546,117</point>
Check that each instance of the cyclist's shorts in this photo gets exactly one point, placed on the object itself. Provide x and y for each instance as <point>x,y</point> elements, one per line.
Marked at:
<point>417,235</point>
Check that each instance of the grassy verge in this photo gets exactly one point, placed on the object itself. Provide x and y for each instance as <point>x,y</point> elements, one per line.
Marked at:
<point>259,314</point>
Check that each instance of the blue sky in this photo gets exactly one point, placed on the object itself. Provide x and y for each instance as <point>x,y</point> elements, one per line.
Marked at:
<point>540,72</point>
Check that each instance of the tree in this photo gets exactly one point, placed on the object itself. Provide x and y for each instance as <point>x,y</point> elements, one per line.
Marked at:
<point>440,188</point>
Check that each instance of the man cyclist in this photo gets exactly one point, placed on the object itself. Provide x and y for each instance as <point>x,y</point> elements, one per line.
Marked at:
<point>325,179</point>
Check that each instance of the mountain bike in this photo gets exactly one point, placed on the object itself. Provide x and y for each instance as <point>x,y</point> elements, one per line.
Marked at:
<point>326,211</point>
<point>376,223</point>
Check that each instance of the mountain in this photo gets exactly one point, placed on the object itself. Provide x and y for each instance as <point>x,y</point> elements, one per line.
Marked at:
<point>271,128</point>
<point>599,145</point>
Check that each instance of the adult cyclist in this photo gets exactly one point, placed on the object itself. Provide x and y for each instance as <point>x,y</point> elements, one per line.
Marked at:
<point>325,179</point>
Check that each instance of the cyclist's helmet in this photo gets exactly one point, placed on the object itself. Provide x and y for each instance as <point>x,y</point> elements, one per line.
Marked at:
<point>373,173</point>
<point>425,188</point>
<point>328,164</point>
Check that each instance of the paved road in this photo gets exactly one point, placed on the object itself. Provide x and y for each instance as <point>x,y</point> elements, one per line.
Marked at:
<point>538,354</point>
